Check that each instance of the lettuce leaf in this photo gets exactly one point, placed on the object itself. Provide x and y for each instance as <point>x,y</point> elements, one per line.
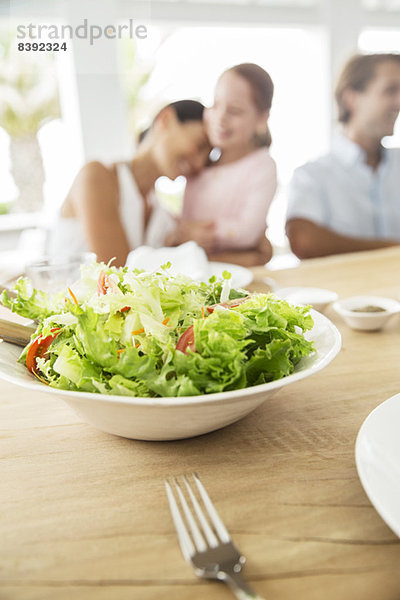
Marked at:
<point>32,303</point>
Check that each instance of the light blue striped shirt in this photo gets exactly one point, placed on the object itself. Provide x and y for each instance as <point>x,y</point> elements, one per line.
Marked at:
<point>341,192</point>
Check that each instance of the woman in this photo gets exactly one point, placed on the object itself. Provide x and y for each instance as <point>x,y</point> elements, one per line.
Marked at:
<point>225,207</point>
<point>111,210</point>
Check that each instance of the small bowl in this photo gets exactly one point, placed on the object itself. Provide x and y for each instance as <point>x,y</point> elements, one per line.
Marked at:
<point>365,320</point>
<point>318,298</point>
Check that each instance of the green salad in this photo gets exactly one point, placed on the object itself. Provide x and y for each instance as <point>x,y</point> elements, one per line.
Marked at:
<point>133,333</point>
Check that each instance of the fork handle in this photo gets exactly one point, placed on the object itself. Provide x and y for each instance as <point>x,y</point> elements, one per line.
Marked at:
<point>239,586</point>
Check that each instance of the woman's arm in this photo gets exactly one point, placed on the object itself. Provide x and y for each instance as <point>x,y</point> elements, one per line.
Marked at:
<point>95,197</point>
<point>201,232</point>
<point>247,258</point>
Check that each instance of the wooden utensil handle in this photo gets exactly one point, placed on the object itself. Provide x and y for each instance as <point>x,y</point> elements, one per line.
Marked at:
<point>11,293</point>
<point>15,332</point>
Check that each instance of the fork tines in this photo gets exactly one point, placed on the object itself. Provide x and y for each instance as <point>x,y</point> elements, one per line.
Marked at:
<point>196,542</point>
<point>203,537</point>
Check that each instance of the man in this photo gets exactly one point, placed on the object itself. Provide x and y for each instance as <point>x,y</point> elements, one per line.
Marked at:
<point>349,199</point>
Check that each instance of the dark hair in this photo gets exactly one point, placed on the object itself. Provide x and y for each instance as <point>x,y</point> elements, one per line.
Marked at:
<point>356,75</point>
<point>262,89</point>
<point>185,110</point>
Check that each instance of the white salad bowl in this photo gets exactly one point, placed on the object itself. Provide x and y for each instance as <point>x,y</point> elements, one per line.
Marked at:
<point>175,418</point>
<point>349,310</point>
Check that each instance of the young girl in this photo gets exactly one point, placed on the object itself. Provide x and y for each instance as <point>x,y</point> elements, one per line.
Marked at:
<point>226,205</point>
<point>111,210</point>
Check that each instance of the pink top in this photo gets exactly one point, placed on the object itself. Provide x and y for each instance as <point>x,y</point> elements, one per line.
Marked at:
<point>236,196</point>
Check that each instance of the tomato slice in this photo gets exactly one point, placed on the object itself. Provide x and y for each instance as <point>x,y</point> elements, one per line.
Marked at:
<point>186,341</point>
<point>187,338</point>
<point>228,304</point>
<point>102,284</point>
<point>39,348</point>
<point>105,283</point>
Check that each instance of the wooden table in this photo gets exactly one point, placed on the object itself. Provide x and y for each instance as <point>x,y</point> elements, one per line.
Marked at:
<point>84,514</point>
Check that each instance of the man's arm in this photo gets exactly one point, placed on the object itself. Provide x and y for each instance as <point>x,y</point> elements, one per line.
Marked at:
<point>309,240</point>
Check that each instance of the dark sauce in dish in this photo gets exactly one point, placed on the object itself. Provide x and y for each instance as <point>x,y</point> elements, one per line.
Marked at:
<point>370,308</point>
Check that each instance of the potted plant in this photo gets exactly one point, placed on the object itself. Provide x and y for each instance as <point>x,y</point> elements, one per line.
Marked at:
<point>28,98</point>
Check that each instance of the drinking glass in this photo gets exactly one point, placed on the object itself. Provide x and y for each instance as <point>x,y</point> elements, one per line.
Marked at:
<point>55,274</point>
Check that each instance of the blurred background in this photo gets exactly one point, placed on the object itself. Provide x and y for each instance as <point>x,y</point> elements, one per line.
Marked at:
<point>61,109</point>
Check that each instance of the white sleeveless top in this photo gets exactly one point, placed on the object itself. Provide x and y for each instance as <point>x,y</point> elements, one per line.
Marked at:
<point>67,235</point>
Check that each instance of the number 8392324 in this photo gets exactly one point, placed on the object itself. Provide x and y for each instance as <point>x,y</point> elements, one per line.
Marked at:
<point>41,46</point>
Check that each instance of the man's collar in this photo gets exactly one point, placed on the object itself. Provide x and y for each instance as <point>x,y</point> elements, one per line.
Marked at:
<point>351,153</point>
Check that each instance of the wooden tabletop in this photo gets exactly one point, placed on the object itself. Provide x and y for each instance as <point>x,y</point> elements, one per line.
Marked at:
<point>84,514</point>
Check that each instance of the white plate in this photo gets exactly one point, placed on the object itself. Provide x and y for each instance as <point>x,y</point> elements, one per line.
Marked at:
<point>318,298</point>
<point>241,277</point>
<point>378,460</point>
<point>174,418</point>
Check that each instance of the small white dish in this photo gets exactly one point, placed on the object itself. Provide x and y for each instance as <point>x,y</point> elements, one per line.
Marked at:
<point>174,418</point>
<point>318,298</point>
<point>241,276</point>
<point>349,310</point>
<point>378,460</point>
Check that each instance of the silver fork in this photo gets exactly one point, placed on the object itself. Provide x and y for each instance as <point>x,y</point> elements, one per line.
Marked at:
<point>212,553</point>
